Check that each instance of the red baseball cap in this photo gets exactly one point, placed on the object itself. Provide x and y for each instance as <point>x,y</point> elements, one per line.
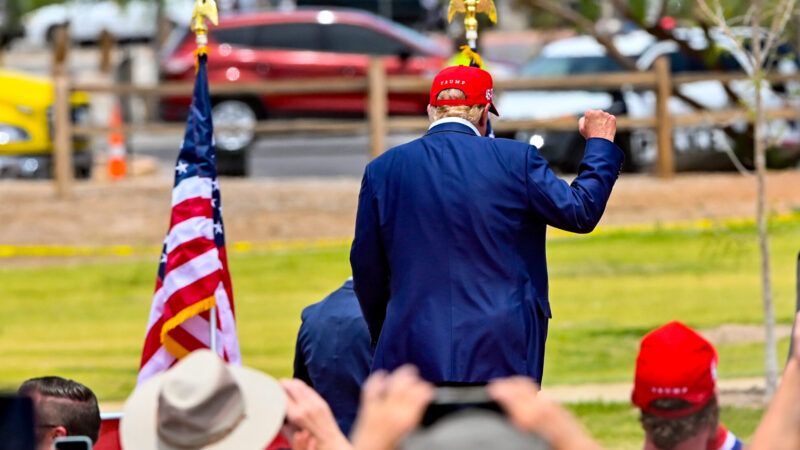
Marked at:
<point>474,82</point>
<point>674,362</point>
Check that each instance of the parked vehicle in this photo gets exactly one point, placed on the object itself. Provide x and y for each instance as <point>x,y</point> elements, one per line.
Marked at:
<point>700,147</point>
<point>295,45</point>
<point>26,127</point>
<point>407,12</point>
<point>577,55</point>
<point>132,20</point>
<point>10,28</point>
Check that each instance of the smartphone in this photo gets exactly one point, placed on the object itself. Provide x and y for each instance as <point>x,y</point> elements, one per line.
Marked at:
<point>72,443</point>
<point>16,423</point>
<point>450,399</point>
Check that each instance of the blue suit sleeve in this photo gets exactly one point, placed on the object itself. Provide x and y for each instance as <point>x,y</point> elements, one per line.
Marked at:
<point>369,262</point>
<point>300,367</point>
<point>575,207</point>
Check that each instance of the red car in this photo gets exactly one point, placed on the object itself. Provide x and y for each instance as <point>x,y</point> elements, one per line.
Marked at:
<point>299,44</point>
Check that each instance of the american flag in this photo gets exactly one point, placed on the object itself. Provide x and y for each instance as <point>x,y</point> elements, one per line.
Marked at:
<point>193,272</point>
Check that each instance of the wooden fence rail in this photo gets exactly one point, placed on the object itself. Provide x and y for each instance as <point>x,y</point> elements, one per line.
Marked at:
<point>378,85</point>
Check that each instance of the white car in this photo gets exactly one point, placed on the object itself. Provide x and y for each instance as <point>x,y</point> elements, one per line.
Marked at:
<point>128,21</point>
<point>700,147</point>
<point>578,55</point>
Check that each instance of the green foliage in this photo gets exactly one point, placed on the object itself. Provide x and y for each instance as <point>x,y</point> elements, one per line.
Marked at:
<point>639,9</point>
<point>589,9</point>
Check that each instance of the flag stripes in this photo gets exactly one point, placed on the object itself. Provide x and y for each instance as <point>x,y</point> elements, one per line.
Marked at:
<point>193,279</point>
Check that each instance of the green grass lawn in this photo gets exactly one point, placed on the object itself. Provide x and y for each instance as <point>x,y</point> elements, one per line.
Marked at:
<point>616,425</point>
<point>87,320</point>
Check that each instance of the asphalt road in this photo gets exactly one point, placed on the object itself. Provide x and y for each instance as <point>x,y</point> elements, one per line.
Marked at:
<point>281,157</point>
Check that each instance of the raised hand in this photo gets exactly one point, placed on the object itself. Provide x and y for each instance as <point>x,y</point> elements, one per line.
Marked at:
<point>392,405</point>
<point>528,411</point>
<point>598,124</point>
<point>307,412</point>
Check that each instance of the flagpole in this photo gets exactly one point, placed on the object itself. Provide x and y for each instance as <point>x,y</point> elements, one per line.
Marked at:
<point>206,10</point>
<point>212,315</point>
<point>471,9</point>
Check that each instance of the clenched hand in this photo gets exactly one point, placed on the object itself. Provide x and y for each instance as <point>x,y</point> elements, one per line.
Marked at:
<point>598,124</point>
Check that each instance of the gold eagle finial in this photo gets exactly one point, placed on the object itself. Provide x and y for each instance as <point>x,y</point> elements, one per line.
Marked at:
<point>203,10</point>
<point>472,6</point>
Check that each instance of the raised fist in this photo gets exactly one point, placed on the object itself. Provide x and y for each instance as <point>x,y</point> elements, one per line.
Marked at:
<point>598,124</point>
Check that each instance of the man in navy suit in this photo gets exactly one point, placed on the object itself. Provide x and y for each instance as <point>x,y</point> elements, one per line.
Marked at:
<point>333,354</point>
<point>448,259</point>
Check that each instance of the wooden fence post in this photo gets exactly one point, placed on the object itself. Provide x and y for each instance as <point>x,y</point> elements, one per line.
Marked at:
<point>63,172</point>
<point>665,167</point>
<point>107,43</point>
<point>377,107</point>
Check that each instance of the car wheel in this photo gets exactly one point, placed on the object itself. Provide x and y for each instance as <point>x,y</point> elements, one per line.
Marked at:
<point>234,121</point>
<point>232,144</point>
<point>623,140</point>
<point>233,163</point>
<point>83,172</point>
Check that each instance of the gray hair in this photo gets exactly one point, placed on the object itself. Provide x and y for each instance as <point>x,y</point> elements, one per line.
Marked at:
<point>469,113</point>
<point>473,429</point>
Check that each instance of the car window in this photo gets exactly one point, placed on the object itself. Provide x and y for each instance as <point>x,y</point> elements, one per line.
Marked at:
<point>284,36</point>
<point>682,63</point>
<point>289,36</point>
<point>419,40</point>
<point>344,38</point>
<point>557,66</point>
<point>235,36</point>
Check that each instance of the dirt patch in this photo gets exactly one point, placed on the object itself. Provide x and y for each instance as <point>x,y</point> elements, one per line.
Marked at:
<point>136,211</point>
<point>742,334</point>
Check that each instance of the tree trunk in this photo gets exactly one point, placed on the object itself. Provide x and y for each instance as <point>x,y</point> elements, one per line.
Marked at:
<point>770,344</point>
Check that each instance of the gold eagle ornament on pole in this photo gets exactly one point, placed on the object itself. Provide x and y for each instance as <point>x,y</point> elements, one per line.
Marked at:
<point>471,8</point>
<point>203,10</point>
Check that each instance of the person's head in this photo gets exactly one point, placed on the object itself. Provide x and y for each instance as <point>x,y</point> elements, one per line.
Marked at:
<point>62,408</point>
<point>462,92</point>
<point>473,429</point>
<point>675,388</point>
<point>203,403</point>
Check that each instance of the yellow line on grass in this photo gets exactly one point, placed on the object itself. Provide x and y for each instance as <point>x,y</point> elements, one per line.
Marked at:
<point>245,247</point>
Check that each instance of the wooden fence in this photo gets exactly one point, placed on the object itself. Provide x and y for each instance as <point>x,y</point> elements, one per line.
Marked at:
<point>377,86</point>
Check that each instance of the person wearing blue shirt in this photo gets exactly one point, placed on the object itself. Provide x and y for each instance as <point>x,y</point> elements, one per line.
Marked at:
<point>333,353</point>
<point>448,257</point>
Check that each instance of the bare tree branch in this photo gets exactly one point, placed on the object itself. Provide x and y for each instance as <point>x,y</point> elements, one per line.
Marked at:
<point>656,30</point>
<point>587,26</point>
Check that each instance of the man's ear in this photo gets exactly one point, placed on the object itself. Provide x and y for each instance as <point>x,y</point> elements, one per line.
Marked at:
<point>58,431</point>
<point>485,117</point>
<point>50,436</point>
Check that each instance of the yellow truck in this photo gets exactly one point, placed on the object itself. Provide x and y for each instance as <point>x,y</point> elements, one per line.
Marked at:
<point>26,127</point>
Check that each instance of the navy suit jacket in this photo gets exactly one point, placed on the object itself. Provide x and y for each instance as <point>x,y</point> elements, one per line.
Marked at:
<point>449,252</point>
<point>333,353</point>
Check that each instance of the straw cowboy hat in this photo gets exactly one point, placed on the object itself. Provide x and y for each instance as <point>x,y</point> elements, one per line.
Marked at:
<point>203,403</point>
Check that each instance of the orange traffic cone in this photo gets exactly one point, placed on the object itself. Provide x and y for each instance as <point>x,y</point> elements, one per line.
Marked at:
<point>117,166</point>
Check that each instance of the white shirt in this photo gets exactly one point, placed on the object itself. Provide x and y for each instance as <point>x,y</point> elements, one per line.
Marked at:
<point>456,120</point>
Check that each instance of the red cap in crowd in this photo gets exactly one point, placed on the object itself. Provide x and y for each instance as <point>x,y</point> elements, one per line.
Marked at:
<point>675,362</point>
<point>474,82</point>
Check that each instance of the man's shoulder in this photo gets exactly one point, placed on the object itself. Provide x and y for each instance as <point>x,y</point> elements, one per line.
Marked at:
<point>383,163</point>
<point>340,303</point>
<point>311,311</point>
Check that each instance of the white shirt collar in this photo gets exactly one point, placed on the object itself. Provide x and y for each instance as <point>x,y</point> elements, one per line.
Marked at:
<point>455,120</point>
